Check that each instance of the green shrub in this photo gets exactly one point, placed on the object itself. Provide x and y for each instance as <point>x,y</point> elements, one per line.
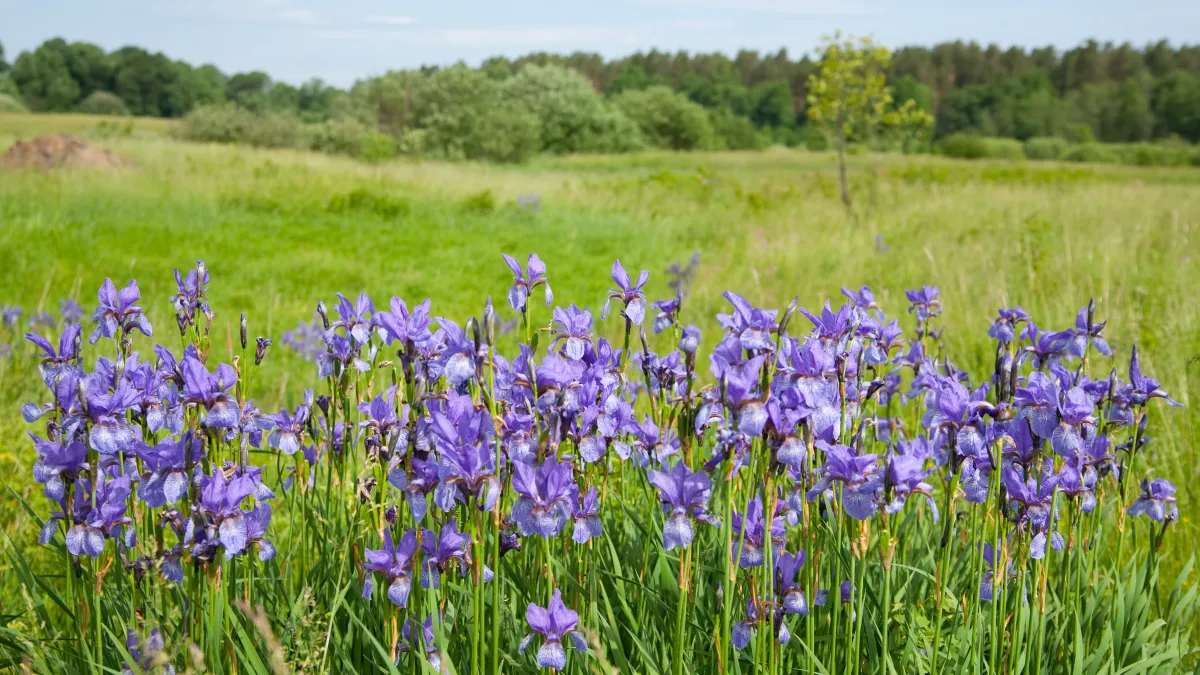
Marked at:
<point>364,201</point>
<point>668,119</point>
<point>963,146</point>
<point>9,104</point>
<point>734,132</point>
<point>378,147</point>
<point>1081,133</point>
<point>1045,147</point>
<point>339,137</point>
<point>815,138</point>
<point>572,117</point>
<point>102,103</point>
<point>1091,153</point>
<point>463,116</point>
<point>1153,154</point>
<point>790,137</point>
<point>10,89</point>
<point>967,146</point>
<point>1196,157</point>
<point>231,124</point>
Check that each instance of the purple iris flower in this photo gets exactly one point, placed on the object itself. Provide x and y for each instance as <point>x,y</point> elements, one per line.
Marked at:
<point>790,592</point>
<point>70,311</point>
<point>221,500</point>
<point>960,412</point>
<point>148,656</point>
<point>689,341</point>
<point>925,302</point>
<point>258,520</point>
<point>1032,502</point>
<point>862,299</point>
<point>193,293</point>
<point>399,325</point>
<point>883,340</point>
<point>468,465</point>
<point>407,643</point>
<point>395,563</point>
<point>905,476</point>
<point>110,432</point>
<point>1156,502</point>
<point>166,479</point>
<point>1044,347</point>
<point>356,319</point>
<point>211,390</point>
<point>750,533</point>
<point>458,354</point>
<point>66,358</point>
<point>987,583</point>
<point>289,427</point>
<point>741,394</point>
<point>547,497</point>
<point>1141,388</point>
<point>743,631</point>
<point>668,313</point>
<point>1078,484</point>
<point>443,549</point>
<point>830,327</point>
<point>381,420</point>
<point>59,462</point>
<point>628,293</point>
<point>684,496</point>
<point>650,444</point>
<point>340,354</point>
<point>752,326</point>
<point>1004,327</point>
<point>119,314</point>
<point>10,315</point>
<point>574,327</point>
<point>1037,402</point>
<point>553,623</point>
<point>423,480</point>
<point>587,518</point>
<point>1077,338</point>
<point>524,281</point>
<point>858,474</point>
<point>107,520</point>
<point>1075,423</point>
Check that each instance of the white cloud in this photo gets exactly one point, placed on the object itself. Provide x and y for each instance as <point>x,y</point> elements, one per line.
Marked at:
<point>386,20</point>
<point>304,16</point>
<point>697,24</point>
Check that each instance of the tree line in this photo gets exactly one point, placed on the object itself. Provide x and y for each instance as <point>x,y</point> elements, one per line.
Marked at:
<point>1106,92</point>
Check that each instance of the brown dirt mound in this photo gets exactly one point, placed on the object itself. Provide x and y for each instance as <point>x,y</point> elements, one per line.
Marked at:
<point>61,150</point>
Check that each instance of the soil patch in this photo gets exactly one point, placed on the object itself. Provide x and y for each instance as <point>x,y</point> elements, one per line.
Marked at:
<point>60,150</point>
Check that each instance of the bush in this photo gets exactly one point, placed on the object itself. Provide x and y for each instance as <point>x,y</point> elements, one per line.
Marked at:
<point>668,119</point>
<point>463,116</point>
<point>230,124</point>
<point>1045,147</point>
<point>967,146</point>
<point>734,132</point>
<point>10,89</point>
<point>572,117</point>
<point>815,138</point>
<point>1091,153</point>
<point>1153,154</point>
<point>963,146</point>
<point>8,104</point>
<point>102,103</point>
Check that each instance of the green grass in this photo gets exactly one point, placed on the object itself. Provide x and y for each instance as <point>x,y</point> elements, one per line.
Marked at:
<point>280,230</point>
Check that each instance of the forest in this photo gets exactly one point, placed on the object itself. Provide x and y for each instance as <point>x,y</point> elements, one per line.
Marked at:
<point>1113,93</point>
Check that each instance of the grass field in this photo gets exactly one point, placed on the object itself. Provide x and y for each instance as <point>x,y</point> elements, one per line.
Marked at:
<point>280,229</point>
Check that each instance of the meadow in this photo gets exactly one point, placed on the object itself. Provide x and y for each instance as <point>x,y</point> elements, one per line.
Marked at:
<point>279,230</point>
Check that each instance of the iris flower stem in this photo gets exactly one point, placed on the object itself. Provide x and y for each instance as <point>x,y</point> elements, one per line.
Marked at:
<point>887,593</point>
<point>681,608</point>
<point>943,563</point>
<point>727,582</point>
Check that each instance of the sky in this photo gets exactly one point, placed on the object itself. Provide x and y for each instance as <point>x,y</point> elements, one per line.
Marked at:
<point>341,41</point>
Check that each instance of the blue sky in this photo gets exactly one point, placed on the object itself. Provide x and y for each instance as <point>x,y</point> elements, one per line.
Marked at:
<point>343,40</point>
